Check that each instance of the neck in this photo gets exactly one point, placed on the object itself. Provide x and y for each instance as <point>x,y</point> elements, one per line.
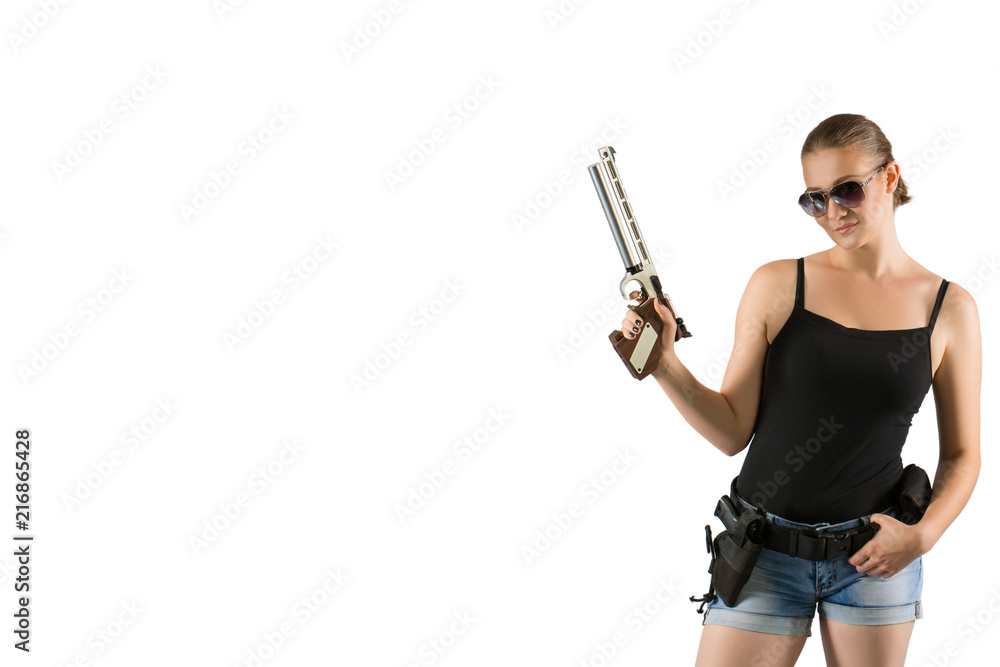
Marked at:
<point>881,256</point>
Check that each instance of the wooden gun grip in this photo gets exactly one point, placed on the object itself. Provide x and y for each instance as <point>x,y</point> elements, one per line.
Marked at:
<point>641,355</point>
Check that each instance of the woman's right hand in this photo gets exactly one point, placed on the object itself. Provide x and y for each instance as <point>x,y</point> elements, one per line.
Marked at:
<point>633,323</point>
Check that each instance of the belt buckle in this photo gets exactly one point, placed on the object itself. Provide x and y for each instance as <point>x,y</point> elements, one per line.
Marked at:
<point>840,544</point>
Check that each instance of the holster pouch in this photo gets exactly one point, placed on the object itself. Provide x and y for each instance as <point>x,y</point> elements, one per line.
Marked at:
<point>734,553</point>
<point>914,494</point>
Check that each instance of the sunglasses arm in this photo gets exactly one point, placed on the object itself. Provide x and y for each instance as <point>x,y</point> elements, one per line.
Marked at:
<point>639,354</point>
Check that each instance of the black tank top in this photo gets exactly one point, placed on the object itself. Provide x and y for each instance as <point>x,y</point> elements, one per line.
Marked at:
<point>836,406</point>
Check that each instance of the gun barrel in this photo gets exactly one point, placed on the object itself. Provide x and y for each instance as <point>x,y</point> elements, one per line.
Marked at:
<point>624,228</point>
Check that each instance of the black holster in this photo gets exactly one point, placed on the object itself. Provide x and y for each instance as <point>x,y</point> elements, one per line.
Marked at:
<point>734,551</point>
<point>914,495</point>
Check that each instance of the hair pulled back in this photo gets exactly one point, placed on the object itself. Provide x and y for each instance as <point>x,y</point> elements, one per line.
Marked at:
<point>855,132</point>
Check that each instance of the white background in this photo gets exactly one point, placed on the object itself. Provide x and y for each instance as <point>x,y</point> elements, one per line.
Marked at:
<point>494,314</point>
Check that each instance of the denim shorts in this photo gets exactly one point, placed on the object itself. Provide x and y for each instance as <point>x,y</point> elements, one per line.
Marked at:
<point>781,595</point>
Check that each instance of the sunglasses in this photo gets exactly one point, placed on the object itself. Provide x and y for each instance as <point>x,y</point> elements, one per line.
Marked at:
<point>849,194</point>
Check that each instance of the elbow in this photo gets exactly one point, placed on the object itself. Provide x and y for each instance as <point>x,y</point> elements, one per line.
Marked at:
<point>739,446</point>
<point>729,448</point>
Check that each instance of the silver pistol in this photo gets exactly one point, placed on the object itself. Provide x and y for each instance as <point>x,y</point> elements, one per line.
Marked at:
<point>641,284</point>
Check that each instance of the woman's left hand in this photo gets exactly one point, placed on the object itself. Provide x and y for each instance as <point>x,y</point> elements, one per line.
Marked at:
<point>894,546</point>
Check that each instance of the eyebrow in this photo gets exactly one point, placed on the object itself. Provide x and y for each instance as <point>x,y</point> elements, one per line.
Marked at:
<point>809,187</point>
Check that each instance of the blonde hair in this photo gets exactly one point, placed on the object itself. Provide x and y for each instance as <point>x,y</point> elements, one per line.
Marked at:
<point>855,132</point>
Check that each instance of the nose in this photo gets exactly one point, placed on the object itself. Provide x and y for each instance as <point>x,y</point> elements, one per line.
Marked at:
<point>834,211</point>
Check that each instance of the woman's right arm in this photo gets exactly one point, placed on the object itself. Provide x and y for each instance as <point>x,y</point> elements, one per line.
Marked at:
<point>726,418</point>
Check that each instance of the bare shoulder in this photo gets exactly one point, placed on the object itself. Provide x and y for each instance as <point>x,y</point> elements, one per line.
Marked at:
<point>774,274</point>
<point>959,314</point>
<point>958,310</point>
<point>770,294</point>
<point>779,267</point>
<point>957,297</point>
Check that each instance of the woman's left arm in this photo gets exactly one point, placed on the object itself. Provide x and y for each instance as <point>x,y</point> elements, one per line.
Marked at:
<point>956,385</point>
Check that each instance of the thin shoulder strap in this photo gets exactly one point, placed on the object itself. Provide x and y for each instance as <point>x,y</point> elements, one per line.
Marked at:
<point>937,304</point>
<point>800,284</point>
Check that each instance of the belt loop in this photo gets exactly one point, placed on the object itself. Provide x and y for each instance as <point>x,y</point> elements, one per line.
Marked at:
<point>793,542</point>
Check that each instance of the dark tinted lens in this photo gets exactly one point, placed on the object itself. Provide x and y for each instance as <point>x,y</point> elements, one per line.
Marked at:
<point>848,194</point>
<point>813,204</point>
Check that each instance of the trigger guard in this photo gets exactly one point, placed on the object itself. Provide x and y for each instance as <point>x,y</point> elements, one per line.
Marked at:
<point>640,288</point>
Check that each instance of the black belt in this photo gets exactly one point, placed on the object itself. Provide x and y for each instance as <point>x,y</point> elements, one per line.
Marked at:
<point>807,543</point>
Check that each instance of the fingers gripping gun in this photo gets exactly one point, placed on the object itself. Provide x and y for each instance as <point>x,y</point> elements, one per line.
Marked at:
<point>641,354</point>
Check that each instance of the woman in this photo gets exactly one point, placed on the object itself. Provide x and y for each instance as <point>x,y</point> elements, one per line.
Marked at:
<point>833,354</point>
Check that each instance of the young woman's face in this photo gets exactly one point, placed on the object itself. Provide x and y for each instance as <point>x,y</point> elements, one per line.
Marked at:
<point>829,167</point>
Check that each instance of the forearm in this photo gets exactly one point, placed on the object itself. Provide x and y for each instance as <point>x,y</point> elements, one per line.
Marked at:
<point>706,410</point>
<point>953,485</point>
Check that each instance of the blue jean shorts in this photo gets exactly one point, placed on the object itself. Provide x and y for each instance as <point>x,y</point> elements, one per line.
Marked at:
<point>781,595</point>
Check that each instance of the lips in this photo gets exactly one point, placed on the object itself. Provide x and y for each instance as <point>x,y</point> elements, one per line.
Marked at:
<point>843,227</point>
